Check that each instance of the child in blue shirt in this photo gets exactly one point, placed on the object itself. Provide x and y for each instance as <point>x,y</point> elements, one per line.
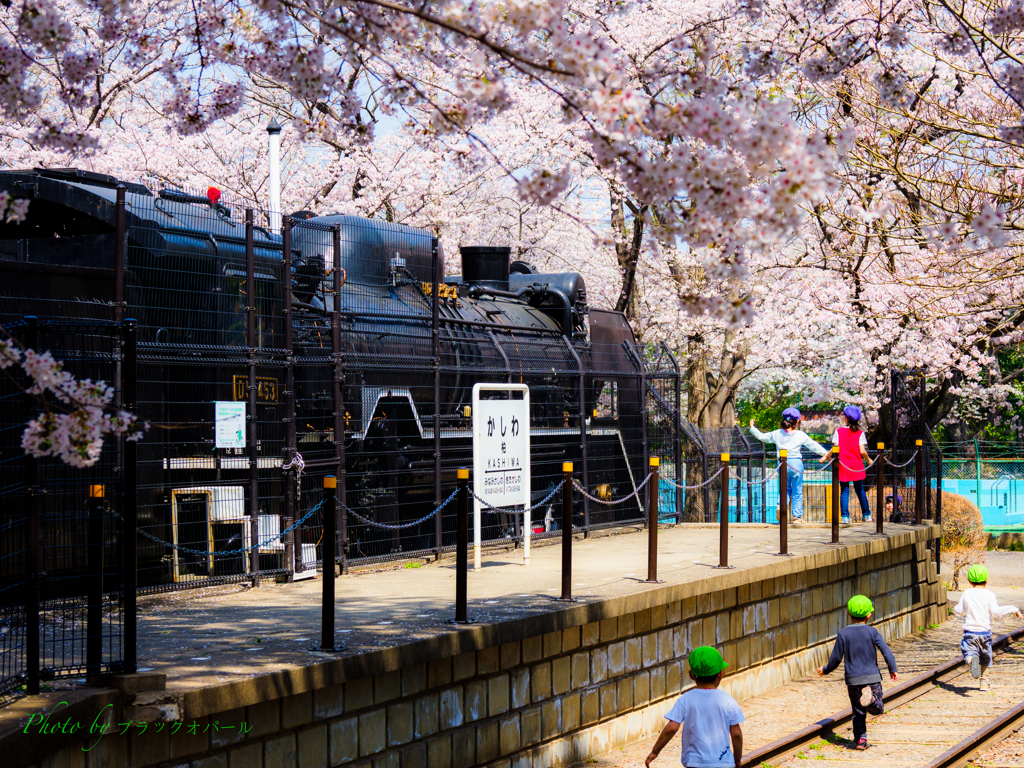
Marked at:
<point>856,648</point>
<point>710,718</point>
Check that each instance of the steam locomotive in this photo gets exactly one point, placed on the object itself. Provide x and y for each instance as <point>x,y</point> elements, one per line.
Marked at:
<point>186,284</point>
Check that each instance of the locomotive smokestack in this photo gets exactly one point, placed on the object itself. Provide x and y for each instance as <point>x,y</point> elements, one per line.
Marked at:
<point>274,131</point>
<point>486,265</point>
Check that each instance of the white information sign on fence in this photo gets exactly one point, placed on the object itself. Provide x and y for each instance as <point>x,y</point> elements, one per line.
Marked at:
<point>501,456</point>
<point>229,421</point>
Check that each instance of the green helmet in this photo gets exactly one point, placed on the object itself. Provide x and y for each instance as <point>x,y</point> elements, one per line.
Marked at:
<point>860,607</point>
<point>977,574</point>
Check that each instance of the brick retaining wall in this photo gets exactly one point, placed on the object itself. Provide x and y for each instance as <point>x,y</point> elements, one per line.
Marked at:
<point>547,690</point>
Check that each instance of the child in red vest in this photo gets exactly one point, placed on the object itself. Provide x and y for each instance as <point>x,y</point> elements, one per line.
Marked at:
<point>853,447</point>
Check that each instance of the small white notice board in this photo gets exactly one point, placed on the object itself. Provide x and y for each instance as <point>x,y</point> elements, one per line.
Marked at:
<point>229,421</point>
<point>501,456</point>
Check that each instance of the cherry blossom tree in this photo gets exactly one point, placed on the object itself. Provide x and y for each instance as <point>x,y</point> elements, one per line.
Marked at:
<point>77,414</point>
<point>723,165</point>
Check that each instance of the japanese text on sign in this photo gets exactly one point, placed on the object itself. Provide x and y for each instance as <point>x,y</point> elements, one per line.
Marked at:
<point>501,451</point>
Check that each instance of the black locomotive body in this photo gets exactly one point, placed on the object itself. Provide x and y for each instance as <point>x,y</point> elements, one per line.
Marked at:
<point>186,283</point>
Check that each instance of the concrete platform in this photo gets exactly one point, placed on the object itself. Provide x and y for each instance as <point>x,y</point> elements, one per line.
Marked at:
<point>532,681</point>
<point>210,636</point>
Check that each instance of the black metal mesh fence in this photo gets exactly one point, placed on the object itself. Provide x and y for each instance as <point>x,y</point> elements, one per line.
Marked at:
<point>61,578</point>
<point>263,369</point>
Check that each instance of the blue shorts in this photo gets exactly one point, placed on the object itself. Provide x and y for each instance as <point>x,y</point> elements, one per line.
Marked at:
<point>977,644</point>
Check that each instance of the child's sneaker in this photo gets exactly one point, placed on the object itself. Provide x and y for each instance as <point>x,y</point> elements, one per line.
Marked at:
<point>867,519</point>
<point>976,667</point>
<point>862,743</point>
<point>866,695</point>
<point>984,685</point>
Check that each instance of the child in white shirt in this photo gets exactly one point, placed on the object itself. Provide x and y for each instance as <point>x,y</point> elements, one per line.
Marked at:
<point>710,718</point>
<point>978,606</point>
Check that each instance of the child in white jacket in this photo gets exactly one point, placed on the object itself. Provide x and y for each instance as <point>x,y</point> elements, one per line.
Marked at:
<point>792,439</point>
<point>978,606</point>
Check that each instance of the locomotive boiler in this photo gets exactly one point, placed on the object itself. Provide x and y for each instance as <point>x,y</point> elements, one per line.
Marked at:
<point>414,339</point>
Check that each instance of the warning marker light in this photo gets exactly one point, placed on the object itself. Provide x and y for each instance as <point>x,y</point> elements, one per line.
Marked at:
<point>213,194</point>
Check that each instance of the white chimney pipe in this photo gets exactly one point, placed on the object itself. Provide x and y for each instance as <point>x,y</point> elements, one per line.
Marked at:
<point>274,130</point>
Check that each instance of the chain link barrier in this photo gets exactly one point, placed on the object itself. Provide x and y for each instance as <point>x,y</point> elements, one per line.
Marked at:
<point>691,487</point>
<point>581,489</point>
<point>230,552</point>
<point>399,526</point>
<point>487,507</point>
<point>904,464</point>
<point>770,476</point>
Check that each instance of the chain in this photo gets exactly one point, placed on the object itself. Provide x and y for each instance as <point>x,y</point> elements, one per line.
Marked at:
<point>898,466</point>
<point>296,463</point>
<point>581,489</point>
<point>692,487</point>
<point>774,473</point>
<point>399,527</point>
<point>207,553</point>
<point>538,505</point>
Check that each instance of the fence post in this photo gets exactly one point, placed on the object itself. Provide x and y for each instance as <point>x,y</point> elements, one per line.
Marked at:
<point>330,549</point>
<point>705,490</point>
<point>919,482</point>
<point>130,494</point>
<point>835,494</point>
<point>119,248</point>
<point>32,564</point>
<point>677,448</point>
<point>652,523</point>
<point>339,397</point>
<point>566,531</point>
<point>250,341</point>
<point>723,516</point>
<point>783,502</point>
<point>290,437</point>
<point>938,510</point>
<point>764,490</point>
<point>880,492</point>
<point>435,343</point>
<point>94,609</point>
<point>461,546</point>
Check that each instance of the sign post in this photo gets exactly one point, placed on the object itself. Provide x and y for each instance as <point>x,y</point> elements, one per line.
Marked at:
<point>501,457</point>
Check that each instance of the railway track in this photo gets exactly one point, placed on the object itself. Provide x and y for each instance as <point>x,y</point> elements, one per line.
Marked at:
<point>938,719</point>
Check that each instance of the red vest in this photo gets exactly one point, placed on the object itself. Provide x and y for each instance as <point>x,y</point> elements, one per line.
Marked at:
<point>851,465</point>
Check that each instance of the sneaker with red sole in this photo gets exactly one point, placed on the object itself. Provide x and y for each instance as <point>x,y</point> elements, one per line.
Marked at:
<point>862,743</point>
<point>866,695</point>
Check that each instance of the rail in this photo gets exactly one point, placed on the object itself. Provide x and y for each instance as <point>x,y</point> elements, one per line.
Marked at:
<point>995,731</point>
<point>895,697</point>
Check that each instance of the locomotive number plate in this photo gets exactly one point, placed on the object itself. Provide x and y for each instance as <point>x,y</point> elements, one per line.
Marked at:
<point>266,389</point>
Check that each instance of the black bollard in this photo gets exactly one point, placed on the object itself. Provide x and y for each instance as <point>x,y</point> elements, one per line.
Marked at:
<point>329,555</point>
<point>835,494</point>
<point>462,547</point>
<point>652,523</point>
<point>566,531</point>
<point>919,483</point>
<point>723,516</point>
<point>783,503</point>
<point>880,492</point>
<point>94,609</point>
